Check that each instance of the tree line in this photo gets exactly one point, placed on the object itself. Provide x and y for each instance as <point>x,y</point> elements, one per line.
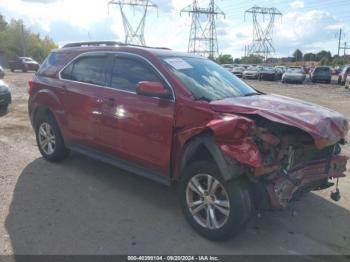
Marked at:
<point>17,40</point>
<point>323,57</point>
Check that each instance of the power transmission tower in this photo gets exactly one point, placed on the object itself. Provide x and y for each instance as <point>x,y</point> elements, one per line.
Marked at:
<point>132,35</point>
<point>203,39</point>
<point>262,44</point>
<point>344,47</point>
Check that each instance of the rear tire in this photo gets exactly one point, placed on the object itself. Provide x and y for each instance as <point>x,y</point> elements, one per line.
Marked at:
<point>49,139</point>
<point>228,204</point>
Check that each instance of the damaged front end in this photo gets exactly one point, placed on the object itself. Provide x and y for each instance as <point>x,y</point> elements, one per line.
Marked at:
<point>282,161</point>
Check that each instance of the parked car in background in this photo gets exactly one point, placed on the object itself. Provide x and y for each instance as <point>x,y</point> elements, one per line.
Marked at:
<point>279,73</point>
<point>2,72</point>
<point>228,67</point>
<point>347,82</point>
<point>343,75</point>
<point>307,69</point>
<point>294,75</point>
<point>5,95</point>
<point>23,63</point>
<point>238,71</point>
<point>267,73</point>
<point>321,74</point>
<point>283,68</point>
<point>251,72</point>
<point>335,71</point>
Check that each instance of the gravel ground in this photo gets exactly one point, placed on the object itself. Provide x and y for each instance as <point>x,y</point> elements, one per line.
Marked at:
<point>87,207</point>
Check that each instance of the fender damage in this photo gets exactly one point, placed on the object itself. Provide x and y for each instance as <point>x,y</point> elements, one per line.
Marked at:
<point>286,146</point>
<point>284,161</point>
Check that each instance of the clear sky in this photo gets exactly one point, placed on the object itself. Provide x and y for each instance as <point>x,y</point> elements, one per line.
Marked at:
<point>310,25</point>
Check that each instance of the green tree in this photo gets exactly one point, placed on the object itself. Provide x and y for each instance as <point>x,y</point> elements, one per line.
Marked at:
<point>252,59</point>
<point>17,40</point>
<point>325,61</point>
<point>237,61</point>
<point>224,59</point>
<point>298,55</point>
<point>3,35</point>
<point>310,57</point>
<point>323,54</point>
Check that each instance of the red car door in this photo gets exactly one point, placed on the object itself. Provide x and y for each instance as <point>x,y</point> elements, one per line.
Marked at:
<point>83,81</point>
<point>137,128</point>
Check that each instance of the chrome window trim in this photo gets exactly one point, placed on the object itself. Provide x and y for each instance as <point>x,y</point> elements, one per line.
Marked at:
<point>116,53</point>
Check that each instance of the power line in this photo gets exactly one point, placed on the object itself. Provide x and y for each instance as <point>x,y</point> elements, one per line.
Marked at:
<point>203,39</point>
<point>262,35</point>
<point>132,35</point>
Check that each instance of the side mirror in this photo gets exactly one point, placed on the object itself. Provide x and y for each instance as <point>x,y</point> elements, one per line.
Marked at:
<point>153,89</point>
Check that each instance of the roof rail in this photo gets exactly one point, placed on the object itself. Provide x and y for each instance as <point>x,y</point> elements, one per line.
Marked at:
<point>95,43</point>
<point>107,43</point>
<point>145,46</point>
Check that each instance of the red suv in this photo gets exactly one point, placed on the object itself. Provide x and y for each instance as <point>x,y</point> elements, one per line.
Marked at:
<point>178,118</point>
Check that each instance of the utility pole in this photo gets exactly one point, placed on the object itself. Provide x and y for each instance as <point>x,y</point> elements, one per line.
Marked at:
<point>132,35</point>
<point>23,41</point>
<point>340,32</point>
<point>262,35</point>
<point>203,39</point>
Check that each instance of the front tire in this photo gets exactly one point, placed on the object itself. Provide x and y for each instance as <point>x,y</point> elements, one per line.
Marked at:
<point>215,208</point>
<point>49,139</point>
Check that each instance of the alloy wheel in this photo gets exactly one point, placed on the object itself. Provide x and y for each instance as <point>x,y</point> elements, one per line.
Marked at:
<point>207,201</point>
<point>47,139</point>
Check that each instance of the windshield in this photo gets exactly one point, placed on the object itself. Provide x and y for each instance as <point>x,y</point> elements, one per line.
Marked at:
<point>252,68</point>
<point>205,79</point>
<point>322,69</point>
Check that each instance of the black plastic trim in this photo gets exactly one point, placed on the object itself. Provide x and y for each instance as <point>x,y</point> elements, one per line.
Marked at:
<point>121,163</point>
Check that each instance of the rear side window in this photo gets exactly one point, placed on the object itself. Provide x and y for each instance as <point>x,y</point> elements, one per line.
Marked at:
<point>87,69</point>
<point>128,72</point>
<point>54,63</point>
<point>323,69</point>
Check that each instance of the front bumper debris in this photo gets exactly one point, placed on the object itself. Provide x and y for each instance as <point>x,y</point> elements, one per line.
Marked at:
<point>282,188</point>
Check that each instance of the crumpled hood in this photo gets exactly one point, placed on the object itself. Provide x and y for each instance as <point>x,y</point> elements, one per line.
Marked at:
<point>324,125</point>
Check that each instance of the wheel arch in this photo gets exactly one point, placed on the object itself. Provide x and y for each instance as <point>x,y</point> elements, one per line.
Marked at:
<point>41,111</point>
<point>204,147</point>
<point>46,101</point>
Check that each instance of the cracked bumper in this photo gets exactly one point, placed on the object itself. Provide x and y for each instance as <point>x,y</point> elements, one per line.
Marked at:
<point>282,188</point>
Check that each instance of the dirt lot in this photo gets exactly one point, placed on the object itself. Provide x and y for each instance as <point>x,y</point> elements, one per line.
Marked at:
<point>87,207</point>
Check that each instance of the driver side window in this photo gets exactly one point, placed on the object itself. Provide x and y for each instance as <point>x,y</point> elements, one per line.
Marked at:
<point>128,72</point>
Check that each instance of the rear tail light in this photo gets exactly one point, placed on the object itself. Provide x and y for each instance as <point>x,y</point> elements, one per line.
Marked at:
<point>31,86</point>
